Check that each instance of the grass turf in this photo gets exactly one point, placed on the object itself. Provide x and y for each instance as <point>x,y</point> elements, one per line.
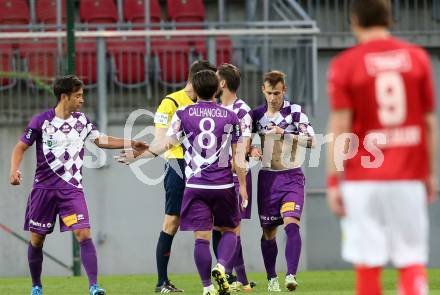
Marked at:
<point>312,282</point>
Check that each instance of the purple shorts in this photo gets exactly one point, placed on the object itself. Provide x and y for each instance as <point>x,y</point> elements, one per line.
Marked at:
<point>246,213</point>
<point>203,208</point>
<point>45,204</point>
<point>280,194</point>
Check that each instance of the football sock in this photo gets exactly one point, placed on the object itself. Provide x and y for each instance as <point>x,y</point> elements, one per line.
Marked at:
<point>269,250</point>
<point>163,251</point>
<point>89,260</point>
<point>368,281</point>
<point>203,260</point>
<point>227,242</point>
<point>216,236</point>
<point>413,280</point>
<point>293,247</point>
<point>35,259</point>
<point>239,264</point>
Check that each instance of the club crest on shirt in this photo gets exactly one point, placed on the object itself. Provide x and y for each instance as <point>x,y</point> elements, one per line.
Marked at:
<point>79,126</point>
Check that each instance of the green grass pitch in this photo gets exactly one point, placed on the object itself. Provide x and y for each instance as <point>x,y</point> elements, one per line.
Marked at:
<point>313,282</point>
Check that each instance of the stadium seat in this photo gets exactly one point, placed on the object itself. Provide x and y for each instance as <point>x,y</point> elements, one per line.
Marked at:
<point>98,12</point>
<point>14,12</point>
<point>85,62</point>
<point>172,61</point>
<point>223,49</point>
<point>134,11</point>
<point>7,65</point>
<point>46,12</point>
<point>186,11</point>
<point>40,59</point>
<point>127,62</point>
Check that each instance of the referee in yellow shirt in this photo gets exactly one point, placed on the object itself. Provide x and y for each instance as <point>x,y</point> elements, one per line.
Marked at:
<point>174,181</point>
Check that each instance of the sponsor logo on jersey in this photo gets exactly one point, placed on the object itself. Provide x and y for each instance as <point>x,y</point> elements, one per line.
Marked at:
<point>70,220</point>
<point>28,134</point>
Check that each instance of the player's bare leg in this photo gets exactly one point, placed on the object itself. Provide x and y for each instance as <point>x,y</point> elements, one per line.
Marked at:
<point>89,259</point>
<point>292,251</point>
<point>269,249</point>
<point>35,259</point>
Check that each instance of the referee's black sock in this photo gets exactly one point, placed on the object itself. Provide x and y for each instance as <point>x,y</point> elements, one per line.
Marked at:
<point>163,251</point>
<point>216,236</point>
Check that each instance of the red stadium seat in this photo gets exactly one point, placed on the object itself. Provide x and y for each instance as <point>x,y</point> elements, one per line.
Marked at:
<point>223,49</point>
<point>98,11</point>
<point>186,11</point>
<point>172,60</point>
<point>46,11</point>
<point>85,62</point>
<point>40,59</point>
<point>128,62</point>
<point>7,65</point>
<point>14,12</point>
<point>134,11</point>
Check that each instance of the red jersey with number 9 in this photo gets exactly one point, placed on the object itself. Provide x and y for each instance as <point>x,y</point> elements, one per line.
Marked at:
<point>388,86</point>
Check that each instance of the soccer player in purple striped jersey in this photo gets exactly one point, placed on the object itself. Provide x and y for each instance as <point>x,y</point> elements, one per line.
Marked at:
<point>280,126</point>
<point>207,132</point>
<point>229,76</point>
<point>60,134</point>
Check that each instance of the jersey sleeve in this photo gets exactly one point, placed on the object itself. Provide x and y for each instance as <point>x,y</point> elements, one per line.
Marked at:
<point>301,121</point>
<point>32,131</point>
<point>337,87</point>
<point>246,125</point>
<point>92,132</point>
<point>236,129</point>
<point>175,130</point>
<point>428,94</point>
<point>164,114</point>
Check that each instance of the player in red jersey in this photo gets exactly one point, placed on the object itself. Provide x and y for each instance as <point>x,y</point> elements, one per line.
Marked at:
<point>383,102</point>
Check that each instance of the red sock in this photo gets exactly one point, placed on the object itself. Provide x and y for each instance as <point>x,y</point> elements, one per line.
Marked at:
<point>413,280</point>
<point>368,280</point>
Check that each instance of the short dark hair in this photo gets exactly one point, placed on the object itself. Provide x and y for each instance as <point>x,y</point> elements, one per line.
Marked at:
<point>205,84</point>
<point>372,13</point>
<point>231,74</point>
<point>274,77</point>
<point>67,84</point>
<point>200,65</point>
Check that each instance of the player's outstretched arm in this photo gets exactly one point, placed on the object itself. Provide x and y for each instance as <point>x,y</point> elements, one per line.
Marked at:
<point>110,142</point>
<point>432,136</point>
<point>16,158</point>
<point>239,152</point>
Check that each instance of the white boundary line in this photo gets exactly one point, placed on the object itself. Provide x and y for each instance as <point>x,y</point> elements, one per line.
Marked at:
<point>163,33</point>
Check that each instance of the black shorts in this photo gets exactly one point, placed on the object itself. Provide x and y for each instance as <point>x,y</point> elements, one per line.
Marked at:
<point>174,184</point>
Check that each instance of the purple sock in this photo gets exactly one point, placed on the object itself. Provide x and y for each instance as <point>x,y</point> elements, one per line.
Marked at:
<point>239,264</point>
<point>293,247</point>
<point>203,260</point>
<point>89,260</point>
<point>269,250</point>
<point>227,242</point>
<point>35,259</point>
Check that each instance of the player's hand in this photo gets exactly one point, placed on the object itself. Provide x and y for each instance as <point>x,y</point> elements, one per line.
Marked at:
<point>127,156</point>
<point>432,189</point>
<point>255,153</point>
<point>275,130</point>
<point>139,146</point>
<point>335,202</point>
<point>244,198</point>
<point>15,178</point>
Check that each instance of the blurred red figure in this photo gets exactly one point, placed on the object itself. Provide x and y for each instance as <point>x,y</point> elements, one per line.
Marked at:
<point>381,91</point>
